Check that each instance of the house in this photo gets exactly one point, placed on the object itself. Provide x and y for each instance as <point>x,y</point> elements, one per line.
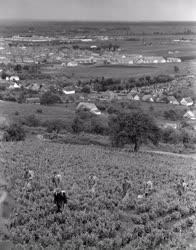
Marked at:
<point>14,86</point>
<point>172,100</point>
<point>69,92</point>
<point>72,64</point>
<point>170,125</point>
<point>34,86</point>
<point>109,95</point>
<point>14,78</point>
<point>136,98</point>
<point>173,60</point>
<point>33,100</point>
<point>190,115</point>
<point>87,106</point>
<point>187,101</point>
<point>147,98</point>
<point>129,96</point>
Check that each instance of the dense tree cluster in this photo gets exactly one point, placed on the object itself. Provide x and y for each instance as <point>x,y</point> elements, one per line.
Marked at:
<point>133,128</point>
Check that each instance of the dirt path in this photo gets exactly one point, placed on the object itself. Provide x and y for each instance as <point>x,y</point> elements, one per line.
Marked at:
<point>189,156</point>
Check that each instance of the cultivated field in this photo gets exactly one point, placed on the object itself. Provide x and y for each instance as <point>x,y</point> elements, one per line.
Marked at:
<point>118,71</point>
<point>103,220</point>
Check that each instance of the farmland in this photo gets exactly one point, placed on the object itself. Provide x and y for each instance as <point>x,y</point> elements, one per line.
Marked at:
<point>117,71</point>
<point>162,220</point>
<point>48,113</point>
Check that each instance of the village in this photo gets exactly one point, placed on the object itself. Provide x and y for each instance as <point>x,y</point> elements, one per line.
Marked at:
<point>67,52</point>
<point>173,92</point>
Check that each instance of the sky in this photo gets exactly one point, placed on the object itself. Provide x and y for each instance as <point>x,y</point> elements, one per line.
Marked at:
<point>99,10</point>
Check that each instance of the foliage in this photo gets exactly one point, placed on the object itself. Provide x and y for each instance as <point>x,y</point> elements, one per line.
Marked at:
<point>135,128</point>
<point>49,98</point>
<point>30,121</point>
<point>176,69</point>
<point>54,125</point>
<point>39,111</point>
<point>84,121</point>
<point>14,133</point>
<point>86,89</point>
<point>172,115</point>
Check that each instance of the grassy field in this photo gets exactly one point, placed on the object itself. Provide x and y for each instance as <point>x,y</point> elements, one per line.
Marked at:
<point>118,71</point>
<point>63,112</point>
<point>163,220</point>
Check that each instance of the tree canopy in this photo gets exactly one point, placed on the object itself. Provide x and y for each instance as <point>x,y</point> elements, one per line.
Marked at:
<point>133,128</point>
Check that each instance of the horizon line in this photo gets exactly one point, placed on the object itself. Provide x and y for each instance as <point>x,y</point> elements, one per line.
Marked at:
<point>94,21</point>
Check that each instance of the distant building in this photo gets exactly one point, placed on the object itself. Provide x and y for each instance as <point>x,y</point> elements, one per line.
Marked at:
<point>172,100</point>
<point>14,78</point>
<point>136,98</point>
<point>14,86</point>
<point>173,60</point>
<point>33,100</point>
<point>147,98</point>
<point>170,125</point>
<point>72,64</point>
<point>69,92</point>
<point>34,87</point>
<point>187,101</point>
<point>87,106</point>
<point>190,115</point>
<point>109,95</point>
<point>129,96</point>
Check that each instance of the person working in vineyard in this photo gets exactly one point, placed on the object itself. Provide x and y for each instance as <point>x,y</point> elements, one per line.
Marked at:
<point>29,176</point>
<point>181,187</point>
<point>56,179</point>
<point>126,185</point>
<point>93,180</point>
<point>149,188</point>
<point>60,199</point>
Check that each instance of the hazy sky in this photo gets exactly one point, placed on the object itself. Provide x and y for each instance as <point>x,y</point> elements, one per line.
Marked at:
<point>119,10</point>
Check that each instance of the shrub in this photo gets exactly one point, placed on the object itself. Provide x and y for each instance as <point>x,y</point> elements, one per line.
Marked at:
<point>16,113</point>
<point>39,111</point>
<point>87,122</point>
<point>31,121</point>
<point>99,125</point>
<point>176,69</point>
<point>14,133</point>
<point>86,89</point>
<point>54,126</point>
<point>172,115</point>
<point>49,98</point>
<point>170,135</point>
<point>77,125</point>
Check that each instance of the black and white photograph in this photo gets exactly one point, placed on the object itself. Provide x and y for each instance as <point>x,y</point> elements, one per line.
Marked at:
<point>97,124</point>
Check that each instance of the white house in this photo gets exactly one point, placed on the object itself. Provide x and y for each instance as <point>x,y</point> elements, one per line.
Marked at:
<point>72,64</point>
<point>190,115</point>
<point>87,106</point>
<point>136,98</point>
<point>186,101</point>
<point>69,92</point>
<point>172,100</point>
<point>147,98</point>
<point>15,86</point>
<point>173,60</point>
<point>170,125</point>
<point>14,78</point>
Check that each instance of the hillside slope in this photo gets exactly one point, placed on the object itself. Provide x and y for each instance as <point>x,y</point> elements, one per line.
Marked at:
<point>103,220</point>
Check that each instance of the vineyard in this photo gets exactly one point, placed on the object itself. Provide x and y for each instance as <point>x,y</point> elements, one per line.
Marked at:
<point>102,220</point>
